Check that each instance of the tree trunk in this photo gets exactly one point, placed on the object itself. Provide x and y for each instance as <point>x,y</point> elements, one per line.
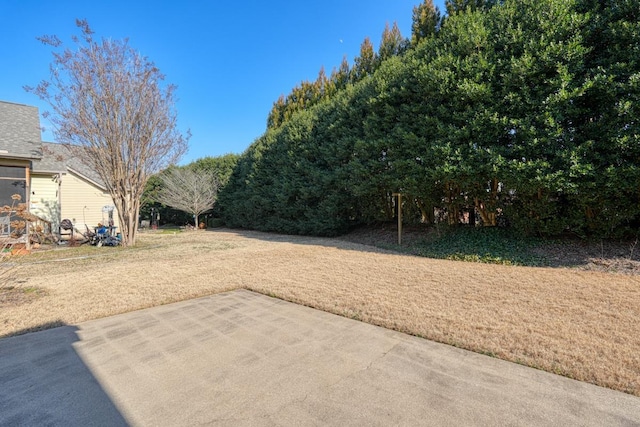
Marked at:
<point>451,201</point>
<point>388,205</point>
<point>426,212</point>
<point>489,219</point>
<point>128,215</point>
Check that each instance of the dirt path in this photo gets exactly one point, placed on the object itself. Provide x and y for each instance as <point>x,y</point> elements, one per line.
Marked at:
<point>581,324</point>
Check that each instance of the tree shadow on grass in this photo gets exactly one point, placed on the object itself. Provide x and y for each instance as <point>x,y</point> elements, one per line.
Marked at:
<point>44,381</point>
<point>487,245</point>
<point>338,242</point>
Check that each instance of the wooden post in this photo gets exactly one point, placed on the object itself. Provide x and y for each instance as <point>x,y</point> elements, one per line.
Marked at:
<point>399,217</point>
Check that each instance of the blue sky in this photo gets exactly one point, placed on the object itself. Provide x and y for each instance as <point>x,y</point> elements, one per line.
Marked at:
<point>230,60</point>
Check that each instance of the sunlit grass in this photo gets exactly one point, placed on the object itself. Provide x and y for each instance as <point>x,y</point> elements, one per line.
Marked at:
<point>581,324</point>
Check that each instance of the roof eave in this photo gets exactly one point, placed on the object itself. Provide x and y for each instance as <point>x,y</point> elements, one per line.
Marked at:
<point>86,178</point>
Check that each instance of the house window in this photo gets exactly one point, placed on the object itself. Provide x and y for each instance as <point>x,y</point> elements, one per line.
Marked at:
<point>13,180</point>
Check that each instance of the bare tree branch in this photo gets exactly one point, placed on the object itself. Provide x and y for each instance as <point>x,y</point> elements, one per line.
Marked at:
<point>109,99</point>
<point>187,190</point>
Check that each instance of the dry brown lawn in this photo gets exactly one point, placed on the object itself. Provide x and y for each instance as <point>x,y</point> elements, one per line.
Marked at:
<point>581,324</point>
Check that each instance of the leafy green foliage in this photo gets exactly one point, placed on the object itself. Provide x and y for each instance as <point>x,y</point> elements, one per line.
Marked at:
<point>426,21</point>
<point>461,6</point>
<point>392,43</point>
<point>366,62</point>
<point>522,112</point>
<point>221,166</point>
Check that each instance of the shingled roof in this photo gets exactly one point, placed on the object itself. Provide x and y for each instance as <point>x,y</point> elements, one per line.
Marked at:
<point>20,139</point>
<point>59,158</point>
<point>19,131</point>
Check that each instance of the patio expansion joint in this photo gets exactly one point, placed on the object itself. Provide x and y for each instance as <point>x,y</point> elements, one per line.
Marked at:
<point>366,368</point>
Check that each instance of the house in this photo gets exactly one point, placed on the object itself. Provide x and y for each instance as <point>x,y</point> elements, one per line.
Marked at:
<point>19,145</point>
<point>53,182</point>
<point>62,186</point>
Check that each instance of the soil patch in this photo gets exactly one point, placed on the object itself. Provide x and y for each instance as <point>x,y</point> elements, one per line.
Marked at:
<point>12,296</point>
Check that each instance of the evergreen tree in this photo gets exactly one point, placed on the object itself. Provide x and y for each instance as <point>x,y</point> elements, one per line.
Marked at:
<point>603,118</point>
<point>456,6</point>
<point>220,166</point>
<point>340,77</point>
<point>426,21</point>
<point>276,115</point>
<point>321,87</point>
<point>392,43</point>
<point>528,110</point>
<point>365,64</point>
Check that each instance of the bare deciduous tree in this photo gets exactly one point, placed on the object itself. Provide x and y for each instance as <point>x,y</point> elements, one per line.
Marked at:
<point>109,101</point>
<point>189,190</point>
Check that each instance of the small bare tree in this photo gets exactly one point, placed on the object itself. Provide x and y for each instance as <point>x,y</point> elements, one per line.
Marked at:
<point>14,218</point>
<point>189,190</point>
<point>108,101</point>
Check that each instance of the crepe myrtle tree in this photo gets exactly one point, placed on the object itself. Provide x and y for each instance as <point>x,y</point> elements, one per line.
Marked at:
<point>109,104</point>
<point>188,190</point>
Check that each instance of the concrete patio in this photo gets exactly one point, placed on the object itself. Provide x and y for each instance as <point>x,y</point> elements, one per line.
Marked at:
<point>241,358</point>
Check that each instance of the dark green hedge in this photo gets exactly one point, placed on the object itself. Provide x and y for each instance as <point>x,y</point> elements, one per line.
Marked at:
<point>526,112</point>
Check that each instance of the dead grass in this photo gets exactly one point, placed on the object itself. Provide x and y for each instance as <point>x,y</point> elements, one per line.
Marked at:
<point>11,296</point>
<point>581,324</point>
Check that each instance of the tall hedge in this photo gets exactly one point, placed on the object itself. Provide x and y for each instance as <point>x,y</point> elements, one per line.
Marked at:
<point>524,112</point>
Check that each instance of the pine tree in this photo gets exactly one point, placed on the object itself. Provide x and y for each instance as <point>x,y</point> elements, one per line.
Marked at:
<point>392,43</point>
<point>340,77</point>
<point>426,21</point>
<point>321,85</point>
<point>365,63</point>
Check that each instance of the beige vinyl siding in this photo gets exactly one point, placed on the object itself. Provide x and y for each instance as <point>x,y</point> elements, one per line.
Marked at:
<point>82,202</point>
<point>44,198</point>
